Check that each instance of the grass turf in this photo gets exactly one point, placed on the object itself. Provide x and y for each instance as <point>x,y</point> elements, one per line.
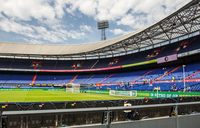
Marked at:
<point>51,95</point>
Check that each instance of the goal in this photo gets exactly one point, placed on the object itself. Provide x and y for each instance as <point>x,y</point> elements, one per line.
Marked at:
<point>74,88</point>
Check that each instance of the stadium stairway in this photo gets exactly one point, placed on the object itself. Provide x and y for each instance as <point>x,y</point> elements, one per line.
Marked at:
<point>94,64</point>
<point>106,78</point>
<point>167,73</point>
<point>193,75</point>
<point>34,79</point>
<point>73,79</point>
<point>140,77</point>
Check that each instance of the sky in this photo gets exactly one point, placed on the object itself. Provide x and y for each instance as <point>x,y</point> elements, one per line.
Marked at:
<point>75,21</point>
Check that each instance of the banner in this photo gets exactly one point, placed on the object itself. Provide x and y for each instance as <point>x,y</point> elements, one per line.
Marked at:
<point>159,94</point>
<point>123,93</point>
<point>166,59</point>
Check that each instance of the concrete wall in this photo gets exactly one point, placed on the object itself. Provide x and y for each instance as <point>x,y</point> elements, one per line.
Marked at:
<point>185,121</point>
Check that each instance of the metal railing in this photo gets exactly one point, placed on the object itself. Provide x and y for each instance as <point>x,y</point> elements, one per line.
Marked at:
<point>106,110</point>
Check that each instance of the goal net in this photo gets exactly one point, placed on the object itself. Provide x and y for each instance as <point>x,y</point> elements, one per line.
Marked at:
<point>74,88</point>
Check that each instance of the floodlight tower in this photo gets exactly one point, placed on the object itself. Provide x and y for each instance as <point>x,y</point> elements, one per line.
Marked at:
<point>102,25</point>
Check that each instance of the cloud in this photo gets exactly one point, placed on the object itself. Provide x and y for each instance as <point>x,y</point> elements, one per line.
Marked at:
<point>132,13</point>
<point>118,31</point>
<point>55,34</point>
<point>59,8</point>
<point>50,21</point>
<point>100,9</point>
<point>127,20</point>
<point>27,9</point>
<point>86,28</point>
<point>87,7</point>
<point>38,21</point>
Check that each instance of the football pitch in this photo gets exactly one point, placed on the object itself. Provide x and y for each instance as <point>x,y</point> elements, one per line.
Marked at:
<point>39,95</point>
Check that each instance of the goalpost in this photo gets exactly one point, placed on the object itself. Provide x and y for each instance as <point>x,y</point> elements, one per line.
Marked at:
<point>73,88</point>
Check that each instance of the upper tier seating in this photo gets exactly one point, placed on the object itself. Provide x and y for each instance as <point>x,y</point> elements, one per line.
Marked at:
<point>179,47</point>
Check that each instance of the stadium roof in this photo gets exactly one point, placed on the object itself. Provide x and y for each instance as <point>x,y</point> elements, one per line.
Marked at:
<point>182,24</point>
<point>60,49</point>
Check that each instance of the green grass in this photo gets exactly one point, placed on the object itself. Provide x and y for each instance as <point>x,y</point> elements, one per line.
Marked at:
<point>38,95</point>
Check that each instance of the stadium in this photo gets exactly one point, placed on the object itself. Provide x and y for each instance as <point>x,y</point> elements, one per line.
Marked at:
<point>154,74</point>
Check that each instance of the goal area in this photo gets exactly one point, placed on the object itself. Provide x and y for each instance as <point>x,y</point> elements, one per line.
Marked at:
<point>73,88</point>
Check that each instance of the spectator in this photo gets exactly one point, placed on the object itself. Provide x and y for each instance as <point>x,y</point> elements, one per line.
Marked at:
<point>128,113</point>
<point>173,111</point>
